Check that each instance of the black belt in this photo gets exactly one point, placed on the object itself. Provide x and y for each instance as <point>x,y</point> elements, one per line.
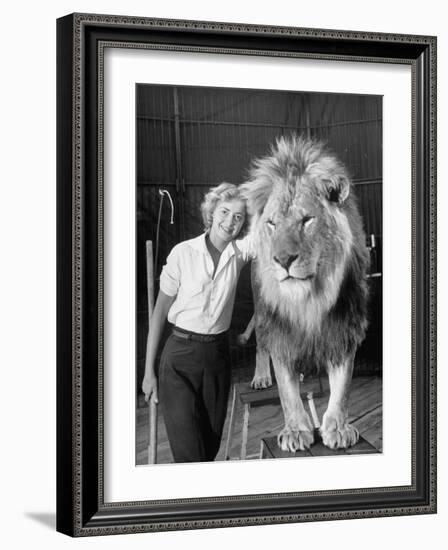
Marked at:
<point>195,337</point>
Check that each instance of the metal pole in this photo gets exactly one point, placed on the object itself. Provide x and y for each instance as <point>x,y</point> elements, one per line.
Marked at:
<point>180,182</point>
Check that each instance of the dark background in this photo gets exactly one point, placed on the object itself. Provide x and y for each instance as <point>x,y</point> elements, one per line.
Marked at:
<point>190,139</point>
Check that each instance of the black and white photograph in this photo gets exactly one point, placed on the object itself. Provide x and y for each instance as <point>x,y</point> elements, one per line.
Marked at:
<point>246,261</point>
<point>223,275</point>
<point>259,240</point>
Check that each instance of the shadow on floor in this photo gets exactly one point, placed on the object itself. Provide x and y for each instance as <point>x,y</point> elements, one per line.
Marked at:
<point>48,519</point>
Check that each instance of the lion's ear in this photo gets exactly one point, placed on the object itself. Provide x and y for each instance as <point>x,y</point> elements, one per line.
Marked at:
<point>337,188</point>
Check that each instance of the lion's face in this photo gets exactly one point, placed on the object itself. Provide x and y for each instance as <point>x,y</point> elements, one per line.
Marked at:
<point>293,228</point>
<point>302,236</point>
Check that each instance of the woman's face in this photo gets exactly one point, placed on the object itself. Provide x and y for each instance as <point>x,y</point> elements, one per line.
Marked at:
<point>228,219</point>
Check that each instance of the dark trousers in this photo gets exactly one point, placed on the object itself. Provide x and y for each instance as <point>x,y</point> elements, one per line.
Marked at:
<point>194,383</point>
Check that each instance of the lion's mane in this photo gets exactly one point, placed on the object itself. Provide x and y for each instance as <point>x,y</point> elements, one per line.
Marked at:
<point>321,319</point>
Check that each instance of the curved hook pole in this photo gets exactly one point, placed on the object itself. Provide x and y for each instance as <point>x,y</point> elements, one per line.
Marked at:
<point>163,192</point>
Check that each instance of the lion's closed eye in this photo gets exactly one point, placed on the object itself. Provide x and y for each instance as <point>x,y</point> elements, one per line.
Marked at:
<point>270,225</point>
<point>307,221</point>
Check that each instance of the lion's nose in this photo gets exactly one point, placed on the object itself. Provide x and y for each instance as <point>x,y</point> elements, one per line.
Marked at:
<point>285,260</point>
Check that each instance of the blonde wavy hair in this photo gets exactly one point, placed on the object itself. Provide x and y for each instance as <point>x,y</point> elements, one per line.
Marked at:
<point>222,192</point>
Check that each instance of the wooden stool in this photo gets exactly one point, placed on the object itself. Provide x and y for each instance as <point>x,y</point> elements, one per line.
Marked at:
<point>248,397</point>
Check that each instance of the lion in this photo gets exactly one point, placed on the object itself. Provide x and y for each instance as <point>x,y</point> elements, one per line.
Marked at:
<point>309,280</point>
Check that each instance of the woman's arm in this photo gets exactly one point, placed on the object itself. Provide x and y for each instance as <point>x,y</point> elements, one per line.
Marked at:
<point>156,324</point>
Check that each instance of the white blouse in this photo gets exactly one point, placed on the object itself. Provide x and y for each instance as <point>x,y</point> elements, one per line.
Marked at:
<point>203,303</point>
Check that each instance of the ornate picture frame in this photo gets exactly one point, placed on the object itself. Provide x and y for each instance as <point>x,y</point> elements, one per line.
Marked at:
<point>81,506</point>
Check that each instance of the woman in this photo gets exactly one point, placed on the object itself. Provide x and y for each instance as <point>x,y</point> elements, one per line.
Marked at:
<point>197,293</point>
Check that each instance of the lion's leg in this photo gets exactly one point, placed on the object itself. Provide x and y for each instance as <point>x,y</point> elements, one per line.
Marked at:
<point>336,432</point>
<point>298,431</point>
<point>262,376</point>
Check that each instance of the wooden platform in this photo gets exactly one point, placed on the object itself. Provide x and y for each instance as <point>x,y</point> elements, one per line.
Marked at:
<point>365,412</point>
<point>270,449</point>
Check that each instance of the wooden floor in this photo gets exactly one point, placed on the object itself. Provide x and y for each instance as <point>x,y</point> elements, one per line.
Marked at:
<point>365,412</point>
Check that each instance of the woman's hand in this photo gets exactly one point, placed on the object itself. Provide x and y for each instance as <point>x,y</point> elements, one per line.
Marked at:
<point>150,387</point>
<point>156,324</point>
<point>243,338</point>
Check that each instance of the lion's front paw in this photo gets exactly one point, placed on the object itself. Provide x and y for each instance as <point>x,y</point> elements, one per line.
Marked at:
<point>261,382</point>
<point>294,440</point>
<point>342,438</point>
<point>337,433</point>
